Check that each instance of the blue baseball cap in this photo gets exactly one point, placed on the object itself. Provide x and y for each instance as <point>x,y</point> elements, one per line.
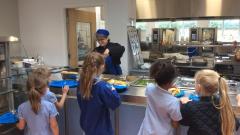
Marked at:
<point>102,33</point>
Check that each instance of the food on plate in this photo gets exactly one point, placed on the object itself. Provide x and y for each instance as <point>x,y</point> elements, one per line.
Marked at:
<point>117,82</point>
<point>174,91</point>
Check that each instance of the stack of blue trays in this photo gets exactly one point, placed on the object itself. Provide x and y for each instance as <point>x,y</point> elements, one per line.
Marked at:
<point>8,118</point>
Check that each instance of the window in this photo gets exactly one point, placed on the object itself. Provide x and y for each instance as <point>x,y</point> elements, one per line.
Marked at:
<point>231,24</point>
<point>216,24</point>
<point>163,24</point>
<point>227,30</point>
<point>141,25</point>
<point>189,24</point>
<point>231,30</point>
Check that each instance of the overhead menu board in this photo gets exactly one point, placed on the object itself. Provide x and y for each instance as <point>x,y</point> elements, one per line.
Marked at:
<point>134,42</point>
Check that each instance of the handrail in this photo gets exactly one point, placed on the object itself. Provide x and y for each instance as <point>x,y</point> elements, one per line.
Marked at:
<point>6,92</point>
<point>3,78</point>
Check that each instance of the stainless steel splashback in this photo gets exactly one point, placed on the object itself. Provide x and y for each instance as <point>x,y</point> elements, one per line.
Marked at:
<point>161,9</point>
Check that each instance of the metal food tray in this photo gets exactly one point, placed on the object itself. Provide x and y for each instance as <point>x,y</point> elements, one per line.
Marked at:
<point>128,79</point>
<point>135,83</point>
<point>185,83</point>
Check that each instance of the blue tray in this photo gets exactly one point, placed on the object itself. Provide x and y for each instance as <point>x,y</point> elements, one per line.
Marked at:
<point>181,94</point>
<point>8,118</point>
<point>120,88</point>
<point>62,83</point>
<point>194,97</point>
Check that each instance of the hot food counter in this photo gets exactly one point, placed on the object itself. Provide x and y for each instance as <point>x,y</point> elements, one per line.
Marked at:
<point>128,117</point>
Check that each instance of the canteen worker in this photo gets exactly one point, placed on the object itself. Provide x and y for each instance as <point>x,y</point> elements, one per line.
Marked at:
<point>111,51</point>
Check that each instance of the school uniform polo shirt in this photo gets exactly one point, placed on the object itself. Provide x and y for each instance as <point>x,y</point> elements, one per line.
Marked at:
<point>162,109</point>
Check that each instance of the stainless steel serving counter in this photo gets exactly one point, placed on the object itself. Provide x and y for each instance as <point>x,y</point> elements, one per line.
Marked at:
<point>136,95</point>
<point>127,119</point>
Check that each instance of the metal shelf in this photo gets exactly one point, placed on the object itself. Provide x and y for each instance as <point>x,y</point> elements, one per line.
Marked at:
<point>224,45</point>
<point>6,92</point>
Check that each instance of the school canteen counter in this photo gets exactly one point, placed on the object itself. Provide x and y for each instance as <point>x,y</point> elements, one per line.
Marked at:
<point>126,119</point>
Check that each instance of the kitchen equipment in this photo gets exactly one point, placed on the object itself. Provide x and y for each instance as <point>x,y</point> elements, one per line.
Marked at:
<point>199,61</point>
<point>6,92</point>
<point>166,36</point>
<point>175,55</point>
<point>222,58</point>
<point>195,35</point>
<point>209,35</point>
<point>185,83</point>
<point>203,35</point>
<point>167,9</point>
<point>182,62</point>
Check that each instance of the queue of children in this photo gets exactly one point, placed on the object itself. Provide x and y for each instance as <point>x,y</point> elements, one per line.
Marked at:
<point>211,115</point>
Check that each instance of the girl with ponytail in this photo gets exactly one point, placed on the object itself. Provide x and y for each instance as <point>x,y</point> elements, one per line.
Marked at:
<point>95,97</point>
<point>36,116</point>
<point>213,114</point>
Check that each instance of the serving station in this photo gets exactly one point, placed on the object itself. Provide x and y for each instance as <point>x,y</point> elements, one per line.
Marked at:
<point>127,119</point>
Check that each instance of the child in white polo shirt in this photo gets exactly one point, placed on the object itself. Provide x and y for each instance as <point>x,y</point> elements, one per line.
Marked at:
<point>163,110</point>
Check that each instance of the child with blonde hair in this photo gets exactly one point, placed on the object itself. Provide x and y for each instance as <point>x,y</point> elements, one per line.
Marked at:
<point>95,97</point>
<point>213,114</point>
<point>44,72</point>
<point>37,116</point>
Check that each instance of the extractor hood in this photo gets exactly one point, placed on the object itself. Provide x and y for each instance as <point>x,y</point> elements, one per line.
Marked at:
<point>162,9</point>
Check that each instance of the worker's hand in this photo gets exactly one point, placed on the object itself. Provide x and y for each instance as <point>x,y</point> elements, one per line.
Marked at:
<point>185,100</point>
<point>238,99</point>
<point>106,52</point>
<point>65,89</point>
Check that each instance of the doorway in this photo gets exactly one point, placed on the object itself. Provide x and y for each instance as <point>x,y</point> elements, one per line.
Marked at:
<point>81,27</point>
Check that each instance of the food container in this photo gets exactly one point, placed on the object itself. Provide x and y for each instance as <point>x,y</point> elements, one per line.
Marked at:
<point>199,61</point>
<point>185,83</point>
<point>143,82</point>
<point>182,63</point>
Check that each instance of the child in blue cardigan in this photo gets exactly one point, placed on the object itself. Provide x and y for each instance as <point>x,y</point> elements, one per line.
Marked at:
<point>96,97</point>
